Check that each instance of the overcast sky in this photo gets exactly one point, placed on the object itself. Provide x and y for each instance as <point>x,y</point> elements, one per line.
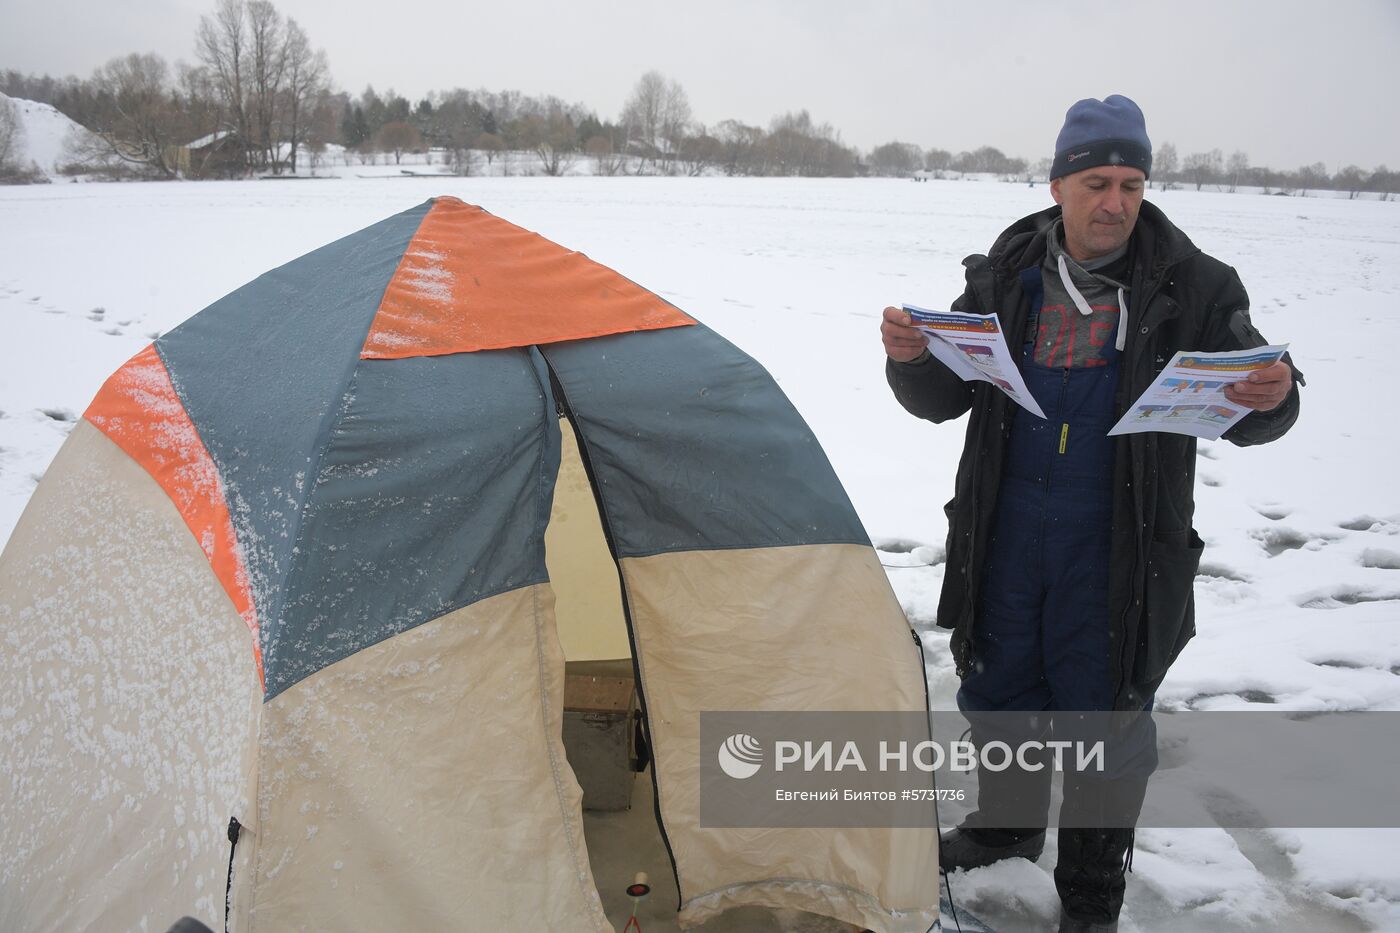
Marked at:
<point>1289,81</point>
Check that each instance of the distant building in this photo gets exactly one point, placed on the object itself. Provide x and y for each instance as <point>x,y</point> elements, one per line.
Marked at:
<point>218,155</point>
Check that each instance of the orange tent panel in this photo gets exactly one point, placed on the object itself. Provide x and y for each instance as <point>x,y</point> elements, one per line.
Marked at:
<point>471,281</point>
<point>139,410</point>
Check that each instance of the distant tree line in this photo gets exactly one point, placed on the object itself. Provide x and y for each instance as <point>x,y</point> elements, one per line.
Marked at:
<point>260,100</point>
<point>1214,169</point>
<point>1197,170</point>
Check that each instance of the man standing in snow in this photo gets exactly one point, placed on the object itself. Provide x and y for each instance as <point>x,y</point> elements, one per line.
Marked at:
<point>1071,554</point>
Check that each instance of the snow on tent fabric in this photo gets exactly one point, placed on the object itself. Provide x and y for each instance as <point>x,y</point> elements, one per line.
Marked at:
<point>291,568</point>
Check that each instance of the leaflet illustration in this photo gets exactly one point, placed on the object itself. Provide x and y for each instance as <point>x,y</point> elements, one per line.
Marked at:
<point>973,347</point>
<point>1188,396</point>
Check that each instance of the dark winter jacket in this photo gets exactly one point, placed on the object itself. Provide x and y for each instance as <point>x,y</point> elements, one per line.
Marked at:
<point>1180,299</point>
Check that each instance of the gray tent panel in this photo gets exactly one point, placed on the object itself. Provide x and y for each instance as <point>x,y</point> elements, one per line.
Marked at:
<point>694,446</point>
<point>434,492</point>
<point>262,372</point>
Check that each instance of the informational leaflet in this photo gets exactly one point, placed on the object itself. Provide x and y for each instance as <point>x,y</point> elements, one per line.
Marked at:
<point>1188,396</point>
<point>973,347</point>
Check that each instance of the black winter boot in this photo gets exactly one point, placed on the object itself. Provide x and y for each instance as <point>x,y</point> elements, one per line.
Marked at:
<point>1090,876</point>
<point>1070,925</point>
<point>1096,848</point>
<point>968,847</point>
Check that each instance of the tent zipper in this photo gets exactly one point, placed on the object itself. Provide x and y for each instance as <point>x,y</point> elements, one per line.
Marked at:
<point>235,829</point>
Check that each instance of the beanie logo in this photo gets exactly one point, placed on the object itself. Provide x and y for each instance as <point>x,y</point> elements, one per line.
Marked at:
<point>1078,155</point>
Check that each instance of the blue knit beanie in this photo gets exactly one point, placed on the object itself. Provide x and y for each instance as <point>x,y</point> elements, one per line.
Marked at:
<point>1111,131</point>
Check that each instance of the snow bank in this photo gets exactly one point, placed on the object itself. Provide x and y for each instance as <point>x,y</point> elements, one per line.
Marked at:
<point>45,131</point>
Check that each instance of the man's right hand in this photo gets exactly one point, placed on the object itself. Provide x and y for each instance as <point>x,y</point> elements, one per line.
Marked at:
<point>903,343</point>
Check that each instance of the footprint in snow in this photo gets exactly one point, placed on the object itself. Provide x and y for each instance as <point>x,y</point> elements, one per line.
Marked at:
<point>1340,665</point>
<point>1257,697</point>
<point>1213,571</point>
<point>1273,512</point>
<point>59,414</point>
<point>1210,479</point>
<point>1371,523</point>
<point>1347,596</point>
<point>1380,559</point>
<point>1277,540</point>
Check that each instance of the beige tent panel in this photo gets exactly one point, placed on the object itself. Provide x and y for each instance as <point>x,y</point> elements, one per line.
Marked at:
<point>421,784</point>
<point>708,625</point>
<point>130,712</point>
<point>581,569</point>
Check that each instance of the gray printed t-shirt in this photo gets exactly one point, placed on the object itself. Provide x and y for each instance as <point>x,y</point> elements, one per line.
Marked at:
<point>1063,336</point>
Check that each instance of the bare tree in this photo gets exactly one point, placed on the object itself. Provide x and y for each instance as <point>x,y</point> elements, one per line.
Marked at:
<point>641,115</point>
<point>246,46</point>
<point>267,46</point>
<point>399,137</point>
<point>1384,182</point>
<point>551,134</point>
<point>606,160</point>
<point>11,135</point>
<point>321,125</point>
<point>1352,180</point>
<point>462,160</point>
<point>657,115</point>
<point>697,151</point>
<point>138,121</point>
<point>938,161</point>
<point>741,148</point>
<point>307,71</point>
<point>1310,176</point>
<point>896,159</point>
<point>675,117</point>
<point>221,44</point>
<point>1237,167</point>
<point>491,144</point>
<point>1203,167</point>
<point>799,146</point>
<point>1164,164</point>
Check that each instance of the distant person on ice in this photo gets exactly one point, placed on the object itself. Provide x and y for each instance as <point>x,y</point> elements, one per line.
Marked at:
<point>1071,554</point>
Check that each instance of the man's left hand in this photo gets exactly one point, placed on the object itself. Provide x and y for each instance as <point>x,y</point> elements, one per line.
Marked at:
<point>1264,390</point>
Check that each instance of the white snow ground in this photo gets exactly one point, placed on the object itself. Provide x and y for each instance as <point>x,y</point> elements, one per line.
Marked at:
<point>1299,601</point>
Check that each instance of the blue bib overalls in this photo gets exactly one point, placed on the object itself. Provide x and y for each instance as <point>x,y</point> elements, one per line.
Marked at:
<point>1041,636</point>
<point>1041,633</point>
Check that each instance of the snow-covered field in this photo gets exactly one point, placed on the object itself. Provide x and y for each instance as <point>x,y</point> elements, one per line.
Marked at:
<point>1299,597</point>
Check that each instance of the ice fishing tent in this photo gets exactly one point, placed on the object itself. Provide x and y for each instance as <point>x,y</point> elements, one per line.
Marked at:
<point>291,568</point>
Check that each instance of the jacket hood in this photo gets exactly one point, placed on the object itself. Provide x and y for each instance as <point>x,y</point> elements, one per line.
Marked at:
<point>1155,238</point>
